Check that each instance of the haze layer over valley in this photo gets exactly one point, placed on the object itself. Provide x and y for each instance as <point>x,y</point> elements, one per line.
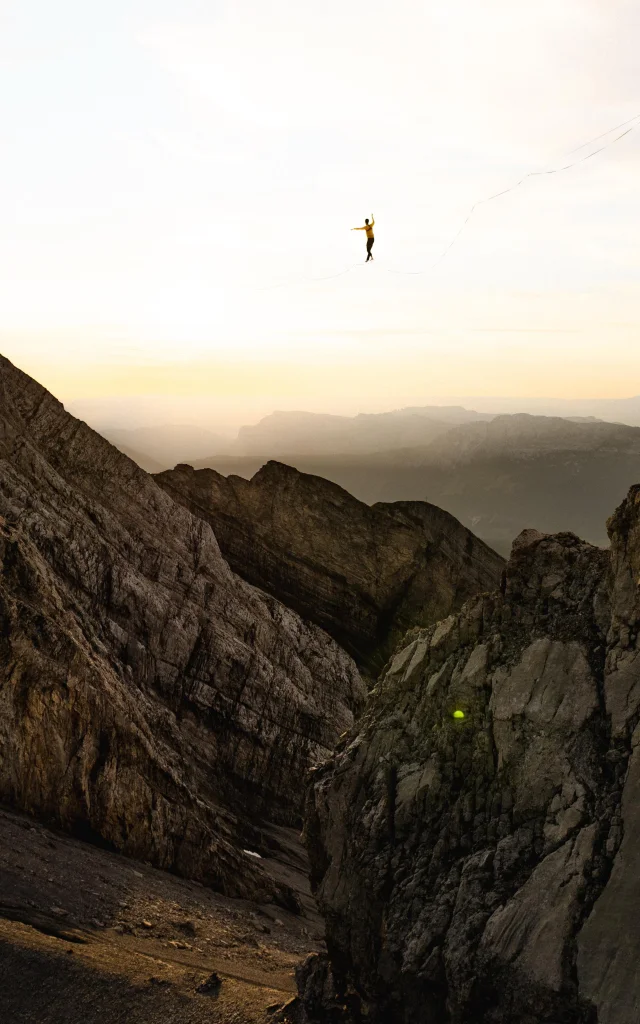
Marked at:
<point>498,474</point>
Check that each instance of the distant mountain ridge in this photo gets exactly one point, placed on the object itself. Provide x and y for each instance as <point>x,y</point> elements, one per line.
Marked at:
<point>318,434</point>
<point>164,445</point>
<point>497,477</point>
<point>524,433</point>
<point>619,410</point>
<point>285,433</point>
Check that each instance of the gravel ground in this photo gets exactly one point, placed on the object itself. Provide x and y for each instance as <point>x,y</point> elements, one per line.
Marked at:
<point>88,936</point>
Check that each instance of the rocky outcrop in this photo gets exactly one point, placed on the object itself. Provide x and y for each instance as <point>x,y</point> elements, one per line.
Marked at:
<point>475,842</point>
<point>365,574</point>
<point>149,698</point>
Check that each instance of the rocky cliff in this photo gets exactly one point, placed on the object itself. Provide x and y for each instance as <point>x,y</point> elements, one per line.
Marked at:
<point>149,698</point>
<point>365,574</point>
<point>475,842</point>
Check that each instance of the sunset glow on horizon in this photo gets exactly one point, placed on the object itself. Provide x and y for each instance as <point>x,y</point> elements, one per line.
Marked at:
<point>180,181</point>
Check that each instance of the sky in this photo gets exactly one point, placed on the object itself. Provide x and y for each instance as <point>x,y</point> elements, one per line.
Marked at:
<point>178,181</point>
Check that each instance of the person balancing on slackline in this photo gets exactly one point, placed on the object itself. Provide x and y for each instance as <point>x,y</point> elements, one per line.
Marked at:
<point>368,227</point>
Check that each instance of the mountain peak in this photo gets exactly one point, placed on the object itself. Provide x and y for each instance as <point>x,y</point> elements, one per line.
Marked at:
<point>365,574</point>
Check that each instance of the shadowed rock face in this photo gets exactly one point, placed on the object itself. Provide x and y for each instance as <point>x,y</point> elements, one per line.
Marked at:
<point>148,697</point>
<point>365,574</point>
<point>485,869</point>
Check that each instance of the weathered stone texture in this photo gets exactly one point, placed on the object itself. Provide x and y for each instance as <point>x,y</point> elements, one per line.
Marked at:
<point>486,869</point>
<point>364,573</point>
<point>149,698</point>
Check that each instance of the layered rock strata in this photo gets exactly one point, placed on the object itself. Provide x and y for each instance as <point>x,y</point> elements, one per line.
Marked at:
<point>475,842</point>
<point>365,574</point>
<point>149,698</point>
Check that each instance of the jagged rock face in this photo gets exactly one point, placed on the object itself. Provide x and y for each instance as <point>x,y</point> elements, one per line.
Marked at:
<point>365,574</point>
<point>148,696</point>
<point>485,869</point>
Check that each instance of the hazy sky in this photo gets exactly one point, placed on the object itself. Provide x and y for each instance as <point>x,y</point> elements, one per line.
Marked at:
<point>165,164</point>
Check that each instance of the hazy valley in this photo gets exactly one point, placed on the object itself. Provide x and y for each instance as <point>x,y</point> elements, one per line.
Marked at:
<point>496,474</point>
<point>196,667</point>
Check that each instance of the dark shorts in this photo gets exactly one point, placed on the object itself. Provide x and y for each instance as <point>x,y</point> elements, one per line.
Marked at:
<point>370,242</point>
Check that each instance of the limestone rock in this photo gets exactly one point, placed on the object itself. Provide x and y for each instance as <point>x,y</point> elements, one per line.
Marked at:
<point>364,573</point>
<point>149,698</point>
<point>485,868</point>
